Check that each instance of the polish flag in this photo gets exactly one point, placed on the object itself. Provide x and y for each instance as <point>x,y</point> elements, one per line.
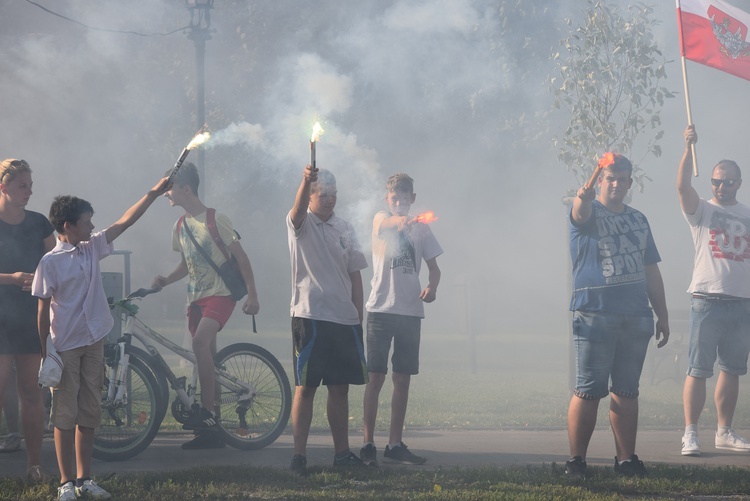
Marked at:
<point>714,33</point>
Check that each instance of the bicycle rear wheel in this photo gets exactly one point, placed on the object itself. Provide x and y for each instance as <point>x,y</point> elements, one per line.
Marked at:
<point>128,427</point>
<point>253,423</point>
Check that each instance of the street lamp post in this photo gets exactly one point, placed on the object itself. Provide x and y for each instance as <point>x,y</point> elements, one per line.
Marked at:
<point>200,23</point>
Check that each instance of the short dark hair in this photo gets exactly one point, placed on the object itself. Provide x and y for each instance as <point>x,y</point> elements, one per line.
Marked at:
<point>729,164</point>
<point>187,176</point>
<point>400,182</point>
<point>67,209</point>
<point>621,163</point>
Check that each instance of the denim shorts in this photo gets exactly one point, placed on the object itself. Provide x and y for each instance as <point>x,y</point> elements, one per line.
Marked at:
<point>608,347</point>
<point>719,327</point>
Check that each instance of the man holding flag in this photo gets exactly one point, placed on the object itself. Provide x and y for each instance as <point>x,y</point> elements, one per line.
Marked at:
<point>720,289</point>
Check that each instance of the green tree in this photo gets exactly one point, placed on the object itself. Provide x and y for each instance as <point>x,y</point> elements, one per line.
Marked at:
<point>609,76</point>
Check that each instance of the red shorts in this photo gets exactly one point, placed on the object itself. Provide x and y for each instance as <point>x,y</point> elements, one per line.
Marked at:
<point>219,308</point>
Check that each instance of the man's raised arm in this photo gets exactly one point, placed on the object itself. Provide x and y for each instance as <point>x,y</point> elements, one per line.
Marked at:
<point>689,198</point>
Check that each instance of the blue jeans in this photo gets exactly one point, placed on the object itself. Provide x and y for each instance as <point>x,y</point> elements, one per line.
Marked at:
<point>719,327</point>
<point>609,346</point>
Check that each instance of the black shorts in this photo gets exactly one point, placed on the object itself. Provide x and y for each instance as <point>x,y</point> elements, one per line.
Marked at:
<point>19,333</point>
<point>404,331</point>
<point>327,353</point>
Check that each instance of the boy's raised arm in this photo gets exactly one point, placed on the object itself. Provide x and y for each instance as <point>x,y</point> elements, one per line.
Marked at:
<point>398,223</point>
<point>136,211</point>
<point>582,210</point>
<point>302,200</point>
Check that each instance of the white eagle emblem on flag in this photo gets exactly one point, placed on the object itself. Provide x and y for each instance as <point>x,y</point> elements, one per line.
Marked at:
<point>732,44</point>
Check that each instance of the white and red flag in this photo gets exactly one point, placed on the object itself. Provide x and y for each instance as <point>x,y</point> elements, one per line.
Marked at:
<point>715,33</point>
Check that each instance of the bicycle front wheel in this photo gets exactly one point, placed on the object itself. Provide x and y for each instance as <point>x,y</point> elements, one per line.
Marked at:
<point>254,422</point>
<point>128,427</point>
<point>152,365</point>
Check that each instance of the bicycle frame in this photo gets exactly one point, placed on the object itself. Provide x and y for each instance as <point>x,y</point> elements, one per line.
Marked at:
<point>253,397</point>
<point>241,392</point>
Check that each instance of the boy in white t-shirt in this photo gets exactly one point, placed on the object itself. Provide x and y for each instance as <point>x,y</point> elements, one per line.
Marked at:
<point>394,312</point>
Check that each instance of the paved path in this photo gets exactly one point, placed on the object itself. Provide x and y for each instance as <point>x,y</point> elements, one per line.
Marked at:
<point>469,448</point>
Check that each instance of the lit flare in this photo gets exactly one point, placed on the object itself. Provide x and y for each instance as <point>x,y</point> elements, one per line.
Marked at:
<point>604,162</point>
<point>426,218</point>
<point>201,137</point>
<point>198,140</point>
<point>317,132</point>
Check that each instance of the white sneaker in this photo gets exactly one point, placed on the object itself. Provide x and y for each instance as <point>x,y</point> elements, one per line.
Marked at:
<point>691,446</point>
<point>732,442</point>
<point>67,492</point>
<point>93,491</point>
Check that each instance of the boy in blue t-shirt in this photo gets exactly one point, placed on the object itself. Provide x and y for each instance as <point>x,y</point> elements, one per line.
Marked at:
<point>616,276</point>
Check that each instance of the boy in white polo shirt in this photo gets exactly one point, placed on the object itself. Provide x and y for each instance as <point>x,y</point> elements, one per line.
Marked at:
<point>73,310</point>
<point>326,309</point>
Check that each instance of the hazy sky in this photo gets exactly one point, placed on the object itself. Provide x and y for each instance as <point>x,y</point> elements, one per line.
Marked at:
<point>450,91</point>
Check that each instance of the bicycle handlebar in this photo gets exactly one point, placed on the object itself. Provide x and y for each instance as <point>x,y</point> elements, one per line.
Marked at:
<point>140,293</point>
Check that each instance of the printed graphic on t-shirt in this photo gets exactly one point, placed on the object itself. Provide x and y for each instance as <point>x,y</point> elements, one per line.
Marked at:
<point>622,242</point>
<point>402,254</point>
<point>202,275</point>
<point>729,236</point>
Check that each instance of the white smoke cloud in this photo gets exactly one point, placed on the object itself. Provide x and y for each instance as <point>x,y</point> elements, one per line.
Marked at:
<point>445,90</point>
<point>239,134</point>
<point>433,17</point>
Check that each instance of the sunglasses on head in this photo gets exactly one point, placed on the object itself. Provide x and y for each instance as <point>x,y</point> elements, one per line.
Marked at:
<point>727,182</point>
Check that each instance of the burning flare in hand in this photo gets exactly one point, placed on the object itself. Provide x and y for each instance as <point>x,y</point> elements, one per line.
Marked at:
<point>201,137</point>
<point>606,160</point>
<point>426,218</point>
<point>198,140</point>
<point>316,133</point>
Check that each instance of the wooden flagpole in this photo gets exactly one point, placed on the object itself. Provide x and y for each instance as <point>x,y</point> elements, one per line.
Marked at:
<point>689,114</point>
<point>685,83</point>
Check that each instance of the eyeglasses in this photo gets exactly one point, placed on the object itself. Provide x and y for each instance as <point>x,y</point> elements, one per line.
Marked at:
<point>727,182</point>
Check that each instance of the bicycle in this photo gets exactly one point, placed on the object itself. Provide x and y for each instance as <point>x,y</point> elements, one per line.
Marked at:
<point>253,393</point>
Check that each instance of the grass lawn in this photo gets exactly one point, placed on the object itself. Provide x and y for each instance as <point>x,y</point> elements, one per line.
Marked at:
<point>487,483</point>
